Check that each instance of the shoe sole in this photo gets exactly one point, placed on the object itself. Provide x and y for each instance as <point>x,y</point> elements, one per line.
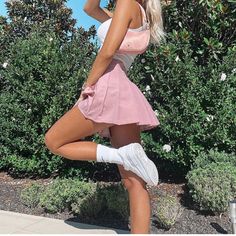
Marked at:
<point>147,165</point>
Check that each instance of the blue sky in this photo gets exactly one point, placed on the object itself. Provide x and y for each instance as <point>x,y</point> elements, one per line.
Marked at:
<point>77,6</point>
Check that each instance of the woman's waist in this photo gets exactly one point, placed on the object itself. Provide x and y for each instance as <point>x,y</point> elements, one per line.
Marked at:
<point>120,62</point>
<point>126,59</point>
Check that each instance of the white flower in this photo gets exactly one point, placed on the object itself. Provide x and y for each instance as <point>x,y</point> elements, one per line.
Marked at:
<point>223,77</point>
<point>25,18</point>
<point>4,64</point>
<point>29,110</point>
<point>234,70</point>
<point>210,117</point>
<point>142,142</point>
<point>13,119</point>
<point>50,39</point>
<point>166,147</point>
<point>152,77</point>
<point>156,112</point>
<point>143,60</point>
<point>177,58</point>
<point>147,88</point>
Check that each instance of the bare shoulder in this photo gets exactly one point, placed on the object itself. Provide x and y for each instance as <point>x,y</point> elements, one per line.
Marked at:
<point>126,8</point>
<point>126,4</point>
<point>120,22</point>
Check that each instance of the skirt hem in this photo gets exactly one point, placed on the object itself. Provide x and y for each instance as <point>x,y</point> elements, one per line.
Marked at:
<point>106,132</point>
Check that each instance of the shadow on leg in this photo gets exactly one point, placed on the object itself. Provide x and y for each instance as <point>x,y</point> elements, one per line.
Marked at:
<point>139,198</point>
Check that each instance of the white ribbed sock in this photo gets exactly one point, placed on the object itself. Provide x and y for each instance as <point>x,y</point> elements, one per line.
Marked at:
<point>108,154</point>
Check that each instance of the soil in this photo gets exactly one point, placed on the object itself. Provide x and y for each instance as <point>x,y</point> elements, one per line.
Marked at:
<point>191,220</point>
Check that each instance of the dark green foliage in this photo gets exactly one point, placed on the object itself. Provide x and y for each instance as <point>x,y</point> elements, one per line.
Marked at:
<point>187,90</point>
<point>48,15</point>
<point>3,39</point>
<point>41,81</point>
<point>195,106</point>
<point>208,25</point>
<point>189,81</point>
<point>212,186</point>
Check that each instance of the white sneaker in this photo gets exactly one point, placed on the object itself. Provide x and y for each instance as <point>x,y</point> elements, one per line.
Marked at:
<point>136,160</point>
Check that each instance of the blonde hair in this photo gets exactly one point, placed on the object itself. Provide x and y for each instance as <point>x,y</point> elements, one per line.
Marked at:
<point>154,17</point>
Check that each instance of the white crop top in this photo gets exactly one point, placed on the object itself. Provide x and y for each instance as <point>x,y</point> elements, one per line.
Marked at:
<point>126,58</point>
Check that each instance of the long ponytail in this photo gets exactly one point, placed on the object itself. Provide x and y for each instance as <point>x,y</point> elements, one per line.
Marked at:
<point>154,16</point>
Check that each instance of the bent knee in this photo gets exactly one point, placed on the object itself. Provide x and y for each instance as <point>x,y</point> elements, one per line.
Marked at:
<point>51,143</point>
<point>133,184</point>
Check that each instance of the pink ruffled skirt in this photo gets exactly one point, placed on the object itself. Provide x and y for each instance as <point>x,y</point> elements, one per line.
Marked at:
<point>116,100</point>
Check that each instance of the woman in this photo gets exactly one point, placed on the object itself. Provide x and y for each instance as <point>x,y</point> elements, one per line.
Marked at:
<point>112,106</point>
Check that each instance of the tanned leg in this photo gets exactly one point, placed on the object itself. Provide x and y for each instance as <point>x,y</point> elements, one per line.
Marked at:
<point>64,137</point>
<point>140,207</point>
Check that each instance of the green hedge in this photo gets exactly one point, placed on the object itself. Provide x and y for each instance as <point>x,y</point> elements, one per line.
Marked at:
<point>206,24</point>
<point>86,199</point>
<point>40,82</point>
<point>189,81</point>
<point>214,156</point>
<point>195,105</point>
<point>213,186</point>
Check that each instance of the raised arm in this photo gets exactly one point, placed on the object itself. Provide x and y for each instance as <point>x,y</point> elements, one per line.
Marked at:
<point>93,9</point>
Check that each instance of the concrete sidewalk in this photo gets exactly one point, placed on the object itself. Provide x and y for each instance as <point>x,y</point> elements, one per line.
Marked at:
<point>17,223</point>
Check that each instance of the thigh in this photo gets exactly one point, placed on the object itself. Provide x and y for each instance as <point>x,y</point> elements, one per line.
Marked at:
<point>122,135</point>
<point>72,126</point>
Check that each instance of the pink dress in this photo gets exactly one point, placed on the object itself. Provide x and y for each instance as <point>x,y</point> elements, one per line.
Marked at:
<point>114,99</point>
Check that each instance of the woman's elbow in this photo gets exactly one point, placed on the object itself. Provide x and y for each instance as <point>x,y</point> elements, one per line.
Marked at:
<point>107,53</point>
<point>87,8</point>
